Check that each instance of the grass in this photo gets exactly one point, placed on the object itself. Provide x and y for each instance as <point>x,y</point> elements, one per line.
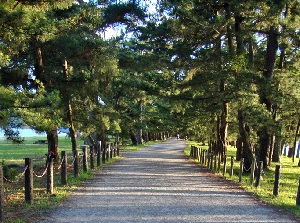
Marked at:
<point>15,153</point>
<point>16,210</point>
<point>289,181</point>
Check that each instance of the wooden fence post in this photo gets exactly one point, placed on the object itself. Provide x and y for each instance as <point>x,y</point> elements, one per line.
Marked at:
<point>115,149</point>
<point>208,159</point>
<point>50,174</point>
<point>103,153</point>
<point>211,160</point>
<point>258,174</point>
<point>99,153</point>
<point>1,195</point>
<point>241,169</point>
<point>118,148</point>
<point>252,170</point>
<point>76,163</point>
<point>28,181</point>
<point>224,167</point>
<point>215,163</point>
<point>85,158</point>
<point>231,166</point>
<point>298,194</point>
<point>200,156</point>
<point>92,166</point>
<point>64,165</point>
<point>107,152</point>
<point>219,163</point>
<point>111,150</point>
<point>277,180</point>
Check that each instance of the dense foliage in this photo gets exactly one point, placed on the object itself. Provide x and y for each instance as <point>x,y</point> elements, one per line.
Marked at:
<point>215,71</point>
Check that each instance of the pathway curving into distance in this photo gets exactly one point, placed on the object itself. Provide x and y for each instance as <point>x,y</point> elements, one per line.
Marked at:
<point>158,184</point>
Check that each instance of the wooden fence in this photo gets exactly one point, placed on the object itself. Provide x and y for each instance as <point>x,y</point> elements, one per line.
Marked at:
<point>213,162</point>
<point>102,154</point>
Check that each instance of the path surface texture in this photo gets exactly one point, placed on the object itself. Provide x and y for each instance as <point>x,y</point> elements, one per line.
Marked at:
<point>158,184</point>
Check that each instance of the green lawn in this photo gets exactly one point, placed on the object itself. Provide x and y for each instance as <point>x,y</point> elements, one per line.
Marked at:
<point>15,153</point>
<point>289,181</point>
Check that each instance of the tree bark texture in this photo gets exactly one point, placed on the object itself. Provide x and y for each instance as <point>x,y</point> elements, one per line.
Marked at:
<point>52,138</point>
<point>264,136</point>
<point>69,111</point>
<point>246,151</point>
<point>133,138</point>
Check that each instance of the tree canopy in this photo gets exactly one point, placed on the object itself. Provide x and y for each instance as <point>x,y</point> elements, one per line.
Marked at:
<point>214,71</point>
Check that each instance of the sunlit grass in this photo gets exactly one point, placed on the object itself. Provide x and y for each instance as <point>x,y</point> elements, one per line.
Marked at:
<point>289,181</point>
<point>15,153</point>
<point>16,210</point>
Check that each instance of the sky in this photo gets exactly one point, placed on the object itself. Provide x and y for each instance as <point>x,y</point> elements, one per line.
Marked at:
<point>116,31</point>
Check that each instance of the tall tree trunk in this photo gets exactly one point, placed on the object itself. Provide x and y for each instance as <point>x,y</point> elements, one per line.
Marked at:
<point>38,62</point>
<point>277,149</point>
<point>239,148</point>
<point>264,136</point>
<point>139,133</point>
<point>238,35</point>
<point>251,52</point>
<point>69,110</point>
<point>229,29</point>
<point>52,138</point>
<point>133,138</point>
<point>295,139</point>
<point>224,124</point>
<point>244,135</point>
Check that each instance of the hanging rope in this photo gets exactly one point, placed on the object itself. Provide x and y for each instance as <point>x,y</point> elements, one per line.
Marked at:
<point>81,159</point>
<point>247,169</point>
<point>16,181</point>
<point>74,158</point>
<point>62,160</point>
<point>43,174</point>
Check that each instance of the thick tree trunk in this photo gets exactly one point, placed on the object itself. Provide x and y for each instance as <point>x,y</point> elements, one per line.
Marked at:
<point>72,131</point>
<point>38,62</point>
<point>238,34</point>
<point>92,140</point>
<point>229,29</point>
<point>239,148</point>
<point>251,52</point>
<point>295,139</point>
<point>139,136</point>
<point>277,149</point>
<point>246,152</point>
<point>133,138</point>
<point>263,134</point>
<point>52,138</point>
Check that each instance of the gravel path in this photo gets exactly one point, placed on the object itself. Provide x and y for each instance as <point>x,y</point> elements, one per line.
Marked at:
<point>158,184</point>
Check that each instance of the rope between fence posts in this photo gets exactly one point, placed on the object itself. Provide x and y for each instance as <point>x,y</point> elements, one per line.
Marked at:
<point>247,169</point>
<point>62,160</point>
<point>74,158</point>
<point>43,174</point>
<point>16,181</point>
